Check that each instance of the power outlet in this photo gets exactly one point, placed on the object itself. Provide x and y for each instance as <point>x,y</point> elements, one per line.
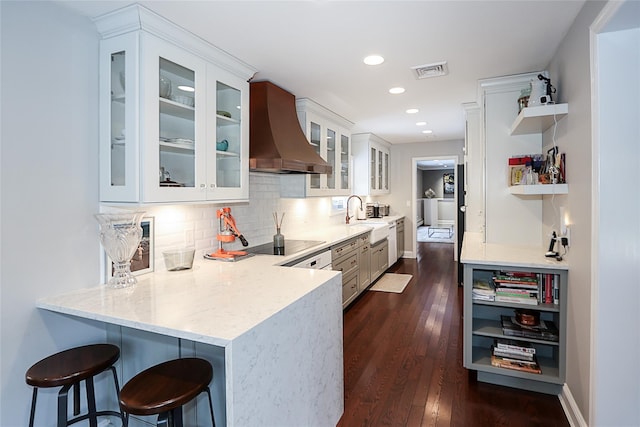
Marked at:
<point>189,237</point>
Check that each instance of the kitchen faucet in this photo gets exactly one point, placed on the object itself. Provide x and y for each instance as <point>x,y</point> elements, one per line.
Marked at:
<point>348,200</point>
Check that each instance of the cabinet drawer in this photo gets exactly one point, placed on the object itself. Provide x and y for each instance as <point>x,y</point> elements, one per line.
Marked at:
<point>347,265</point>
<point>364,239</point>
<point>349,289</point>
<point>344,249</point>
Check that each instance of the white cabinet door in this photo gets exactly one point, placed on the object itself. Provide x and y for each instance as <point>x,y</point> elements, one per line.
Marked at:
<point>119,97</point>
<point>173,136</point>
<point>227,136</point>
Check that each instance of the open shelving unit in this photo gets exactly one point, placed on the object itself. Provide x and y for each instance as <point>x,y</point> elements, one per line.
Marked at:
<point>482,326</point>
<point>531,190</point>
<point>538,119</point>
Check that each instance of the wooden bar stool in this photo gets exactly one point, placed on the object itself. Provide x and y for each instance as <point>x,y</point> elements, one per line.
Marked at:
<point>68,368</point>
<point>163,389</point>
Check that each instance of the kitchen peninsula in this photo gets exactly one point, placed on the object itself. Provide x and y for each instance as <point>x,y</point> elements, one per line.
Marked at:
<point>272,333</point>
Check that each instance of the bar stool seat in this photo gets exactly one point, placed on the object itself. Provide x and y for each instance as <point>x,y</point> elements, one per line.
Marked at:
<point>163,389</point>
<point>67,369</point>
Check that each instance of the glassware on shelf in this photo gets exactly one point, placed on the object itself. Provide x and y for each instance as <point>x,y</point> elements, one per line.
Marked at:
<point>120,235</point>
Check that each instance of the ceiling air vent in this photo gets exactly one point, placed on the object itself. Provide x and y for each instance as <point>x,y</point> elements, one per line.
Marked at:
<point>431,70</point>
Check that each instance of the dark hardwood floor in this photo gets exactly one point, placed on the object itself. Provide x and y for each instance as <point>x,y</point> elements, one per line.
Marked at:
<point>403,358</point>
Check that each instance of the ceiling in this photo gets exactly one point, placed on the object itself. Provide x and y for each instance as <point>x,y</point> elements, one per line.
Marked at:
<point>315,49</point>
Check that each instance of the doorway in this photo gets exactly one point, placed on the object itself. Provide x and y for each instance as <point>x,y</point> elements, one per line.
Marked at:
<point>435,215</point>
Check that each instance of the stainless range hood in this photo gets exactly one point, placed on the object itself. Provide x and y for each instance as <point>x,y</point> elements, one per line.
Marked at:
<point>277,143</point>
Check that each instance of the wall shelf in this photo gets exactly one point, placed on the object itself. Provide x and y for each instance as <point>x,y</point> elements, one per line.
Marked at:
<point>538,119</point>
<point>526,190</point>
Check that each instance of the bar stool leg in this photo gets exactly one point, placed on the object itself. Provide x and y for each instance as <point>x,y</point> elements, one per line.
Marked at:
<point>115,381</point>
<point>213,421</point>
<point>91,402</point>
<point>62,405</point>
<point>164,420</point>
<point>33,406</point>
<point>76,398</point>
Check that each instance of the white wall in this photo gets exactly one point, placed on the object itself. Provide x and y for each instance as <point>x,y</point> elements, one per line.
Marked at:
<point>49,189</point>
<point>569,73</point>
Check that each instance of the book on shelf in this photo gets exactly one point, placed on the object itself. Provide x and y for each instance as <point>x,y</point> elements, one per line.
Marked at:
<point>507,344</point>
<point>518,365</point>
<point>523,281</point>
<point>546,330</point>
<point>516,299</point>
<point>513,354</point>
<point>525,293</point>
<point>483,290</point>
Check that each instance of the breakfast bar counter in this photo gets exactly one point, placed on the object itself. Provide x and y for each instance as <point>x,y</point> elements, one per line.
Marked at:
<point>273,334</point>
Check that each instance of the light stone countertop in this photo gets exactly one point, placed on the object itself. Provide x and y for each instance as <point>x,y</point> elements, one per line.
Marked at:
<point>474,251</point>
<point>214,302</point>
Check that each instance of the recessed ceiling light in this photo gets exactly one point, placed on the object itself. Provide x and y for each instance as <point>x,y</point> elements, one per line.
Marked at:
<point>396,90</point>
<point>427,131</point>
<point>373,60</point>
<point>412,111</point>
<point>186,88</point>
<point>421,124</point>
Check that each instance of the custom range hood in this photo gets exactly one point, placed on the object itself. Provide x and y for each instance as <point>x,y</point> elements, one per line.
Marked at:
<point>277,143</point>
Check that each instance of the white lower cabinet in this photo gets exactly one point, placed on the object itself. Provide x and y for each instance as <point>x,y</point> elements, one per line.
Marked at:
<point>173,114</point>
<point>365,262</point>
<point>379,259</point>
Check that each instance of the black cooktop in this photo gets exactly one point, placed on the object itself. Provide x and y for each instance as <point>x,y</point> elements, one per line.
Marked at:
<point>290,247</point>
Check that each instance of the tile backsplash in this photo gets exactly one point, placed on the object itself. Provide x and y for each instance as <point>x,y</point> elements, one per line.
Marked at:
<point>196,225</point>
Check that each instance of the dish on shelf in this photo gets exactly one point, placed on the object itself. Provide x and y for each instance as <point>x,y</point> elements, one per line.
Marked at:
<point>169,183</point>
<point>222,145</point>
<point>182,99</point>
<point>184,141</point>
<point>224,113</point>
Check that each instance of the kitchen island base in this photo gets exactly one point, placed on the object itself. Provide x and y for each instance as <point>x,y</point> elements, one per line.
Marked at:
<point>273,335</point>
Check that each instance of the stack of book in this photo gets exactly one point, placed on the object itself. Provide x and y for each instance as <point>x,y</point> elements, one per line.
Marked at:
<point>483,290</point>
<point>546,330</point>
<point>517,355</point>
<point>520,288</point>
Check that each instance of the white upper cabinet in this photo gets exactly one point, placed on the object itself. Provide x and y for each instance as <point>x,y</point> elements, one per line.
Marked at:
<point>330,136</point>
<point>371,157</point>
<point>174,114</point>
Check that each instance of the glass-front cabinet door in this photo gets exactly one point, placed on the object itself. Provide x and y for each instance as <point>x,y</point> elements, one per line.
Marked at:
<point>386,172</point>
<point>345,162</point>
<point>119,174</point>
<point>315,139</point>
<point>173,135</point>
<point>331,158</point>
<point>227,137</point>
